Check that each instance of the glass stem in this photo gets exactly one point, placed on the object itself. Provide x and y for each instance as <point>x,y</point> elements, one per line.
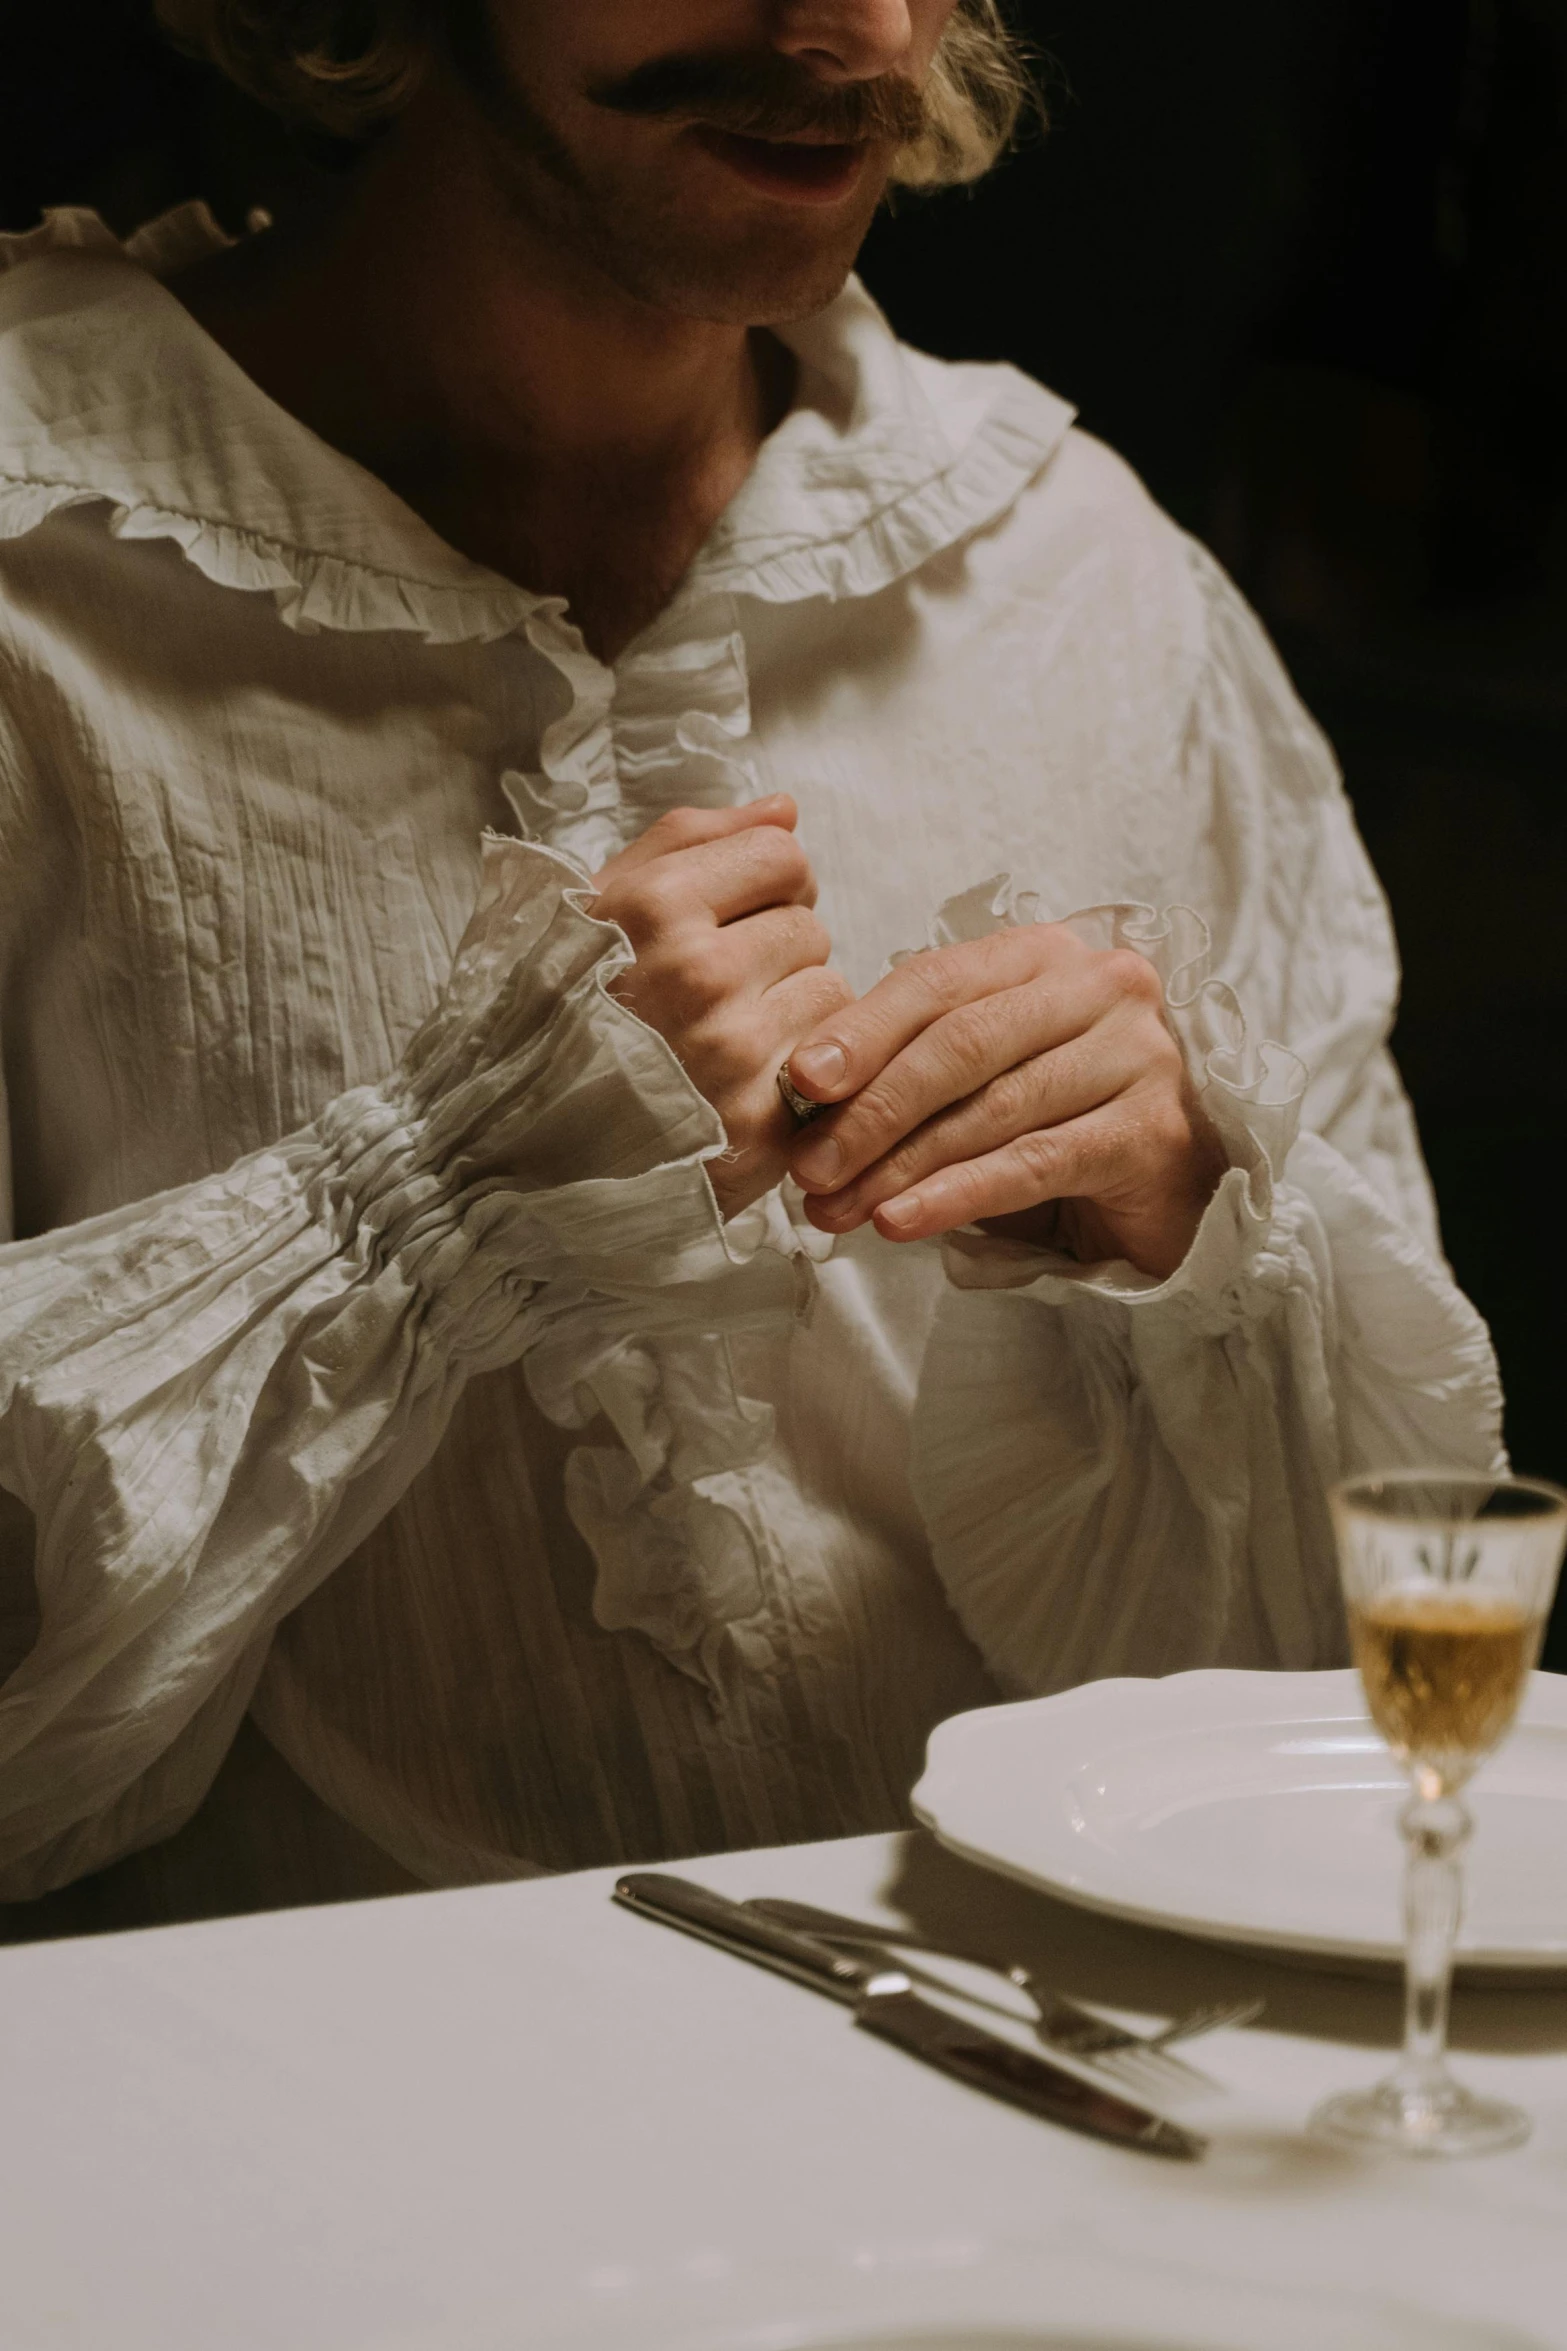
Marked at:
<point>1436,1828</point>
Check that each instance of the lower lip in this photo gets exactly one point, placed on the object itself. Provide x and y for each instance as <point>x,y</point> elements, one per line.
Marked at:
<point>790,171</point>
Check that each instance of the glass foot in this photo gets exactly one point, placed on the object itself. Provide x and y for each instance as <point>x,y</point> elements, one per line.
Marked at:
<point>1444,2119</point>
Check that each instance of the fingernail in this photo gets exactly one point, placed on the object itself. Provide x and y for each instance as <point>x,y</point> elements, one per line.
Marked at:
<point>900,1212</point>
<point>818,1161</point>
<point>835,1216</point>
<point>820,1065</point>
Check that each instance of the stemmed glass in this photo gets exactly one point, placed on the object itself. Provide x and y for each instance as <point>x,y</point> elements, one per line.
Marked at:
<point>1448,1578</point>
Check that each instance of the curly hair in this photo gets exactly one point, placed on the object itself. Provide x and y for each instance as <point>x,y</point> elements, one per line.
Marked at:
<point>345,65</point>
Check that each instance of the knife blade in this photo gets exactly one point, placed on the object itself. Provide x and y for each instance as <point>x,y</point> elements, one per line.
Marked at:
<point>885,2003</point>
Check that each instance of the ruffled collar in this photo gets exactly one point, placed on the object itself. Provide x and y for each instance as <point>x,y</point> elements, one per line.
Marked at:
<point>109,392</point>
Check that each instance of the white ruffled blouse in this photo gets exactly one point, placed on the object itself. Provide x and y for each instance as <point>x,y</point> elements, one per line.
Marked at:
<point>373,1359</point>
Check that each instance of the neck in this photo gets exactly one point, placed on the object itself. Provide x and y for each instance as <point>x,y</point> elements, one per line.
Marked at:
<point>542,420</point>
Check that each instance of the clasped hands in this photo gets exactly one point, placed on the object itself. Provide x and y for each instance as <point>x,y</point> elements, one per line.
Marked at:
<point>1025,1082</point>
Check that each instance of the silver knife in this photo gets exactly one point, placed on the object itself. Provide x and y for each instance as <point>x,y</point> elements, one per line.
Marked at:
<point>885,2003</point>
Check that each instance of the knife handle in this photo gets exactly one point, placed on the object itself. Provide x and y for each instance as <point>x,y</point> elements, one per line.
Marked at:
<point>676,1902</point>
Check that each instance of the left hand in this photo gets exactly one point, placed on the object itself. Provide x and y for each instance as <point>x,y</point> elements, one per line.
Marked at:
<point>1024,1081</point>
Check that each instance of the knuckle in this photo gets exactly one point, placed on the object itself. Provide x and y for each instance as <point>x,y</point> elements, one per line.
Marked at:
<point>1133,975</point>
<point>935,974</point>
<point>793,868</point>
<point>1016,1097</point>
<point>1168,1125</point>
<point>805,937</point>
<point>981,1033</point>
<point>681,828</point>
<point>1057,942</point>
<point>1167,1067</point>
<point>1158,1060</point>
<point>1040,1157</point>
<point>778,852</point>
<point>875,1114</point>
<point>910,1157</point>
<point>692,985</point>
<point>654,902</point>
<point>965,1035</point>
<point>829,992</point>
<point>1054,952</point>
<point>1164,1047</point>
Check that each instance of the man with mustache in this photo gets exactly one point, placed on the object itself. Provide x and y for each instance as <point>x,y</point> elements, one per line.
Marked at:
<point>539,1331</point>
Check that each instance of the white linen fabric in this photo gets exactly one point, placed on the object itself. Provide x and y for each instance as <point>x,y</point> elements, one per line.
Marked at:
<point>373,1358</point>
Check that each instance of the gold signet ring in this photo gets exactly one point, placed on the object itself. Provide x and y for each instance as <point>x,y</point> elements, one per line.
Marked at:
<point>801,1107</point>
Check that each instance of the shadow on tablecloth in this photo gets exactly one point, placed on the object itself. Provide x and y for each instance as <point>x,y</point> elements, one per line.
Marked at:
<point>1124,1966</point>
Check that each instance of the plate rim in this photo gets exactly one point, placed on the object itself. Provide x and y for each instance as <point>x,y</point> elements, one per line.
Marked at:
<point>1261,1696</point>
<point>891,2293</point>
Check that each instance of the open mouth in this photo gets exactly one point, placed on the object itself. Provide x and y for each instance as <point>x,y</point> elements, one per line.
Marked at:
<point>798,170</point>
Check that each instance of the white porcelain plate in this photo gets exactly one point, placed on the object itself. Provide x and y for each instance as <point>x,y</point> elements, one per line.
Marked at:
<point>1250,1808</point>
<point>972,2298</point>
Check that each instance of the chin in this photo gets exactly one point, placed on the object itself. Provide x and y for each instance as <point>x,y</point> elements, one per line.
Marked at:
<point>803,296</point>
<point>762,302</point>
<point>752,286</point>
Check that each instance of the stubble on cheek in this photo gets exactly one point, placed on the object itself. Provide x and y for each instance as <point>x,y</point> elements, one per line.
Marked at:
<point>645,207</point>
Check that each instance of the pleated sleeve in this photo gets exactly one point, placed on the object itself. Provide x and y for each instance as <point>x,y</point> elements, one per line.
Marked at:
<point>207,1398</point>
<point>1122,1475</point>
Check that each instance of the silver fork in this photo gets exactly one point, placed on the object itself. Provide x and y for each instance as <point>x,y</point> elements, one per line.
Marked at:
<point>1086,2035</point>
<point>1061,2022</point>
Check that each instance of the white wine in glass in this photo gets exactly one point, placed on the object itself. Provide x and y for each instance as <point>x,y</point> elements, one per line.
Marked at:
<point>1448,1578</point>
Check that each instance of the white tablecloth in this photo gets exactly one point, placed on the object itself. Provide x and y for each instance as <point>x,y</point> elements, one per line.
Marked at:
<point>454,2122</point>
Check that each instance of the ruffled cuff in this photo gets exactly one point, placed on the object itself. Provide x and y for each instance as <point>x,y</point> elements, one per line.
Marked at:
<point>1137,1484</point>
<point>1238,1263</point>
<point>207,1399</point>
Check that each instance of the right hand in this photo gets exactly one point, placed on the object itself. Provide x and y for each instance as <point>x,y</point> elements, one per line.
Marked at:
<point>730,967</point>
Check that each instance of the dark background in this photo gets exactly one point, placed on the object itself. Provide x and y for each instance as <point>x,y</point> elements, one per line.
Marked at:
<point>1305,263</point>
